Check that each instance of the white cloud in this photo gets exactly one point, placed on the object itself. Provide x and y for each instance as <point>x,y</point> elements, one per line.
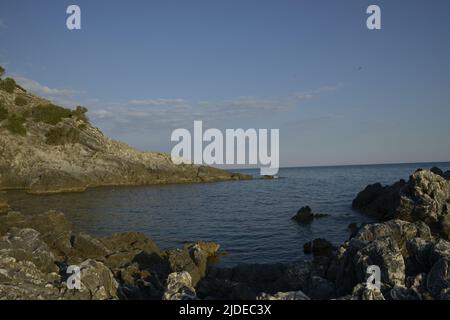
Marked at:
<point>42,90</point>
<point>164,113</point>
<point>157,102</point>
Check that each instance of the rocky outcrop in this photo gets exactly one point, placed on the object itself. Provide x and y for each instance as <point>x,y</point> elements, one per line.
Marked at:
<point>179,287</point>
<point>306,216</point>
<point>48,149</point>
<point>36,253</point>
<point>425,197</point>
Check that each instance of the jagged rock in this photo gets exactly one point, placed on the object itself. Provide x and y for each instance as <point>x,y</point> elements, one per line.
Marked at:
<point>379,201</point>
<point>54,228</point>
<point>85,246</point>
<point>26,245</point>
<point>193,258</point>
<point>419,251</point>
<point>318,247</point>
<point>384,253</point>
<point>292,295</point>
<point>439,250</point>
<point>97,283</point>
<point>305,215</point>
<point>398,230</point>
<point>22,280</point>
<point>425,197</point>
<point>129,241</point>
<point>179,287</point>
<point>361,292</point>
<point>438,281</point>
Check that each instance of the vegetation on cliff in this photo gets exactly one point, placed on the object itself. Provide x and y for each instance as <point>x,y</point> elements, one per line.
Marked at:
<point>48,148</point>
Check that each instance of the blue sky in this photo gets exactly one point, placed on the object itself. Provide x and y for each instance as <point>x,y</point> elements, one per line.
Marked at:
<point>338,92</point>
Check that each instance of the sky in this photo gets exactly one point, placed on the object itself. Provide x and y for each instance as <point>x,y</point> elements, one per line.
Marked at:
<point>338,92</point>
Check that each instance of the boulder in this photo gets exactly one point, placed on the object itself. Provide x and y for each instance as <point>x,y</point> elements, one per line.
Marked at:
<point>438,280</point>
<point>361,292</point>
<point>97,283</point>
<point>26,245</point>
<point>193,258</point>
<point>179,287</point>
<point>384,253</point>
<point>425,197</point>
<point>85,246</point>
<point>379,201</point>
<point>305,215</point>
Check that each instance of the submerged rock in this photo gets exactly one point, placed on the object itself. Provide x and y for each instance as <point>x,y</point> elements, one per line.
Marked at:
<point>306,216</point>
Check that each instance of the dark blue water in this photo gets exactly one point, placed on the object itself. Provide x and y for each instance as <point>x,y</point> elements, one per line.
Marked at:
<point>249,219</point>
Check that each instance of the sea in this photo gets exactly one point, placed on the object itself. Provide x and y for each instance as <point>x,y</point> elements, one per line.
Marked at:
<point>251,220</point>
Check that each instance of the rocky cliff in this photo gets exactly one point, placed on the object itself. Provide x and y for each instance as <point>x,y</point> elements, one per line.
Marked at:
<point>45,148</point>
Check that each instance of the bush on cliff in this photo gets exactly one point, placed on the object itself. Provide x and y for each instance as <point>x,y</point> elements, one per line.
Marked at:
<point>50,113</point>
<point>3,113</point>
<point>2,71</point>
<point>80,113</point>
<point>20,101</point>
<point>15,125</point>
<point>8,85</point>
<point>60,136</point>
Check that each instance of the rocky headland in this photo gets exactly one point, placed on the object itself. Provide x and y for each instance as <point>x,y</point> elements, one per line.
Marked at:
<point>46,148</point>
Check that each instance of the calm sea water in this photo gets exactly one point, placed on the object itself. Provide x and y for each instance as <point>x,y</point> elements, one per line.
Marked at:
<point>251,220</point>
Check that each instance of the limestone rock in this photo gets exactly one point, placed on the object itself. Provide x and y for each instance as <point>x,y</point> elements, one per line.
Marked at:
<point>179,287</point>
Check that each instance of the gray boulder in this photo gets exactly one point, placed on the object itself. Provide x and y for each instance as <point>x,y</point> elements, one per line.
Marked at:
<point>179,287</point>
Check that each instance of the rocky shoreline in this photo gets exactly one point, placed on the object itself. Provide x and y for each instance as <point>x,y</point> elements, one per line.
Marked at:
<point>410,244</point>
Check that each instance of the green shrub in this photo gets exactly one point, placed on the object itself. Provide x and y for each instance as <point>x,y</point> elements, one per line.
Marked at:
<point>8,85</point>
<point>50,113</point>
<point>15,125</point>
<point>82,126</point>
<point>20,101</point>
<point>60,136</point>
<point>2,71</point>
<point>3,113</point>
<point>80,113</point>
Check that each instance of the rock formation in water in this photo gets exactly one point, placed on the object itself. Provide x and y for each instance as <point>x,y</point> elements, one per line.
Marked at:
<point>424,197</point>
<point>306,216</point>
<point>46,148</point>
